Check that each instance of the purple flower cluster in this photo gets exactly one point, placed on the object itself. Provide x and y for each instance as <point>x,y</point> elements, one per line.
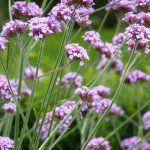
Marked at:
<point>72,77</point>
<point>6,89</point>
<point>9,107</point>
<point>30,72</point>
<point>141,18</point>
<point>91,37</point>
<point>6,143</point>
<point>59,114</point>
<point>118,66</point>
<point>118,39</point>
<point>98,143</point>
<point>144,4</point>
<point>135,143</point>
<point>3,43</point>
<point>121,5</point>
<point>26,91</point>
<point>76,52</point>
<point>138,36</point>
<point>13,27</point>
<point>146,120</point>
<point>136,75</point>
<point>85,94</point>
<point>102,91</point>
<point>29,10</point>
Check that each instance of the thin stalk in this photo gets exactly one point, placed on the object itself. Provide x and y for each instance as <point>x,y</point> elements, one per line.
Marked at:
<point>129,65</point>
<point>32,94</point>
<point>55,70</point>
<point>103,21</point>
<point>47,7</point>
<point>9,5</point>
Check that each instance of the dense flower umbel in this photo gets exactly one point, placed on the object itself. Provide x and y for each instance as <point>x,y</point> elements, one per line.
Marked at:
<point>28,10</point>
<point>39,28</point>
<point>76,52</point>
<point>72,77</point>
<point>124,5</point>
<point>91,37</point>
<point>3,43</point>
<point>106,49</point>
<point>141,18</point>
<point>30,72</point>
<point>59,114</point>
<point>138,35</point>
<point>144,4</point>
<point>9,107</point>
<point>135,143</point>
<point>101,105</point>
<point>86,94</point>
<point>6,143</point>
<point>61,12</point>
<point>118,39</point>
<point>6,91</point>
<point>102,90</point>
<point>13,27</point>
<point>146,120</point>
<point>136,75</point>
<point>98,143</point>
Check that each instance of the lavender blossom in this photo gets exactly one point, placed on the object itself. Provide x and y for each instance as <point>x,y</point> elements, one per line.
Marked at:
<point>144,4</point>
<point>102,63</point>
<point>13,27</point>
<point>146,120</point>
<point>138,35</point>
<point>26,91</point>
<point>28,10</point>
<point>98,143</point>
<point>3,43</point>
<point>6,143</point>
<point>9,107</point>
<point>122,5</point>
<point>136,75</point>
<point>76,52</point>
<point>91,37</point>
<point>72,77</point>
<point>102,90</point>
<point>85,94</point>
<point>30,72</point>
<point>6,89</point>
<point>135,143</point>
<point>118,66</point>
<point>61,12</point>
<point>118,39</point>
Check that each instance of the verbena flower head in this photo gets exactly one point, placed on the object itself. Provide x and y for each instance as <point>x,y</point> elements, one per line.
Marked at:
<point>85,94</point>
<point>6,143</point>
<point>9,107</point>
<point>136,75</point>
<point>102,90</point>
<point>135,143</point>
<point>29,10</point>
<point>61,12</point>
<point>100,107</point>
<point>39,28</point>
<point>118,66</point>
<point>76,52</point>
<point>146,120</point>
<point>106,49</point>
<point>13,27</point>
<point>144,4</point>
<point>6,90</point>
<point>102,63</point>
<point>121,5</point>
<point>138,35</point>
<point>118,39</point>
<point>98,143</point>
<point>3,43</point>
<point>59,114</point>
<point>26,91</point>
<point>72,77</point>
<point>91,37</point>
<point>141,18</point>
<point>30,72</point>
